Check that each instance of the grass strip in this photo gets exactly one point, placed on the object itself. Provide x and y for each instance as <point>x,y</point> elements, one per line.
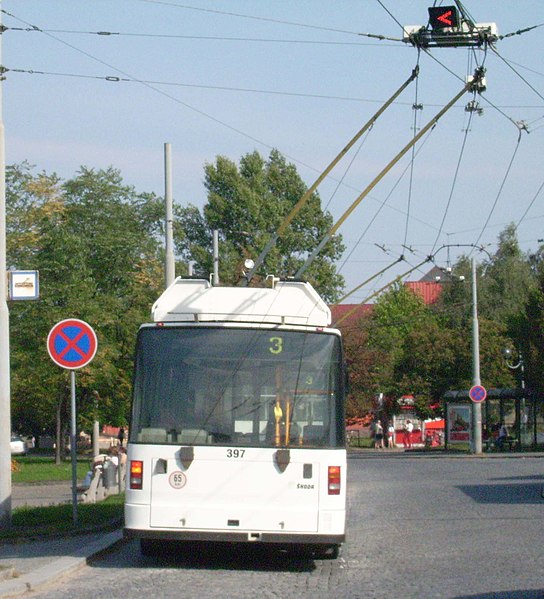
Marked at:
<point>35,523</point>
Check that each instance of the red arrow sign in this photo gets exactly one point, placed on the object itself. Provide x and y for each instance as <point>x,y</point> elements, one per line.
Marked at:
<point>446,18</point>
<point>442,17</point>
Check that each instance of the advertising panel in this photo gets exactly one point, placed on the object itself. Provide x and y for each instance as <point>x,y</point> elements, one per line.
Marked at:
<point>459,423</point>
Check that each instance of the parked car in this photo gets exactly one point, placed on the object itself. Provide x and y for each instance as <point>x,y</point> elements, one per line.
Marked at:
<point>17,445</point>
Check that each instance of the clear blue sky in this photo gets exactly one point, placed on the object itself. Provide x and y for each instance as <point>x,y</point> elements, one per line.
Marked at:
<point>233,76</point>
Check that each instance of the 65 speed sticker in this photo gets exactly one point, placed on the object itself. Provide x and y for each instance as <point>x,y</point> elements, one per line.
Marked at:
<point>177,480</point>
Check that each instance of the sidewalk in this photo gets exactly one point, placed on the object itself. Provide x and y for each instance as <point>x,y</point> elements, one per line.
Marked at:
<point>30,565</point>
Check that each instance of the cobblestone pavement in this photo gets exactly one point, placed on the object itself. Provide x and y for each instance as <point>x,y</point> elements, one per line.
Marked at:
<point>419,527</point>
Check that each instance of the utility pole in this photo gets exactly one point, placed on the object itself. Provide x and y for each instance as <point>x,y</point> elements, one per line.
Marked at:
<point>215,257</point>
<point>476,406</point>
<point>5,407</point>
<point>170,263</point>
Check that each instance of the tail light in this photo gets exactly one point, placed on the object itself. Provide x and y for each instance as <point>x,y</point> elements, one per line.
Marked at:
<point>334,480</point>
<point>136,474</point>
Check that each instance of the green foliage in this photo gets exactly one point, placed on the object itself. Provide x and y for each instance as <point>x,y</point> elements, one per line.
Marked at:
<point>362,363</point>
<point>531,333</point>
<point>40,522</point>
<point>247,204</point>
<point>406,347</point>
<point>95,243</point>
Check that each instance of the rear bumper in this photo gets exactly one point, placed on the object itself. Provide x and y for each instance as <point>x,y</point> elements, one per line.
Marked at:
<point>235,537</point>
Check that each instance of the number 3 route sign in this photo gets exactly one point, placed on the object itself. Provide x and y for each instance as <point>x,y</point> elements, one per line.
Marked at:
<point>72,343</point>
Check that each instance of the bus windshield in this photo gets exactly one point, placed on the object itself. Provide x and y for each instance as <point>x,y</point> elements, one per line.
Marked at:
<point>217,385</point>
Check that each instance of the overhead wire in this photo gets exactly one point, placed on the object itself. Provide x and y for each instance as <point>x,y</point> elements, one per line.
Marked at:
<point>416,107</point>
<point>193,108</point>
<point>384,171</point>
<point>383,204</point>
<point>200,37</point>
<point>148,85</point>
<point>454,182</point>
<point>517,73</point>
<point>348,168</point>
<point>374,276</point>
<point>470,107</point>
<point>397,279</point>
<point>159,91</point>
<point>391,14</point>
<point>302,201</point>
<point>499,193</point>
<point>484,98</point>
<point>520,31</point>
<point>251,17</point>
<point>522,218</point>
<point>115,79</point>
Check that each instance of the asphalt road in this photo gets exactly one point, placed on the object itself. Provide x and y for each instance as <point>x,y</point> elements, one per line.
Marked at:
<point>419,527</point>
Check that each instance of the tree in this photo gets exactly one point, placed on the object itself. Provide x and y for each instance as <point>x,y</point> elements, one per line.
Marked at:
<point>247,204</point>
<point>531,333</point>
<point>95,242</point>
<point>507,282</point>
<point>396,315</point>
<point>361,361</point>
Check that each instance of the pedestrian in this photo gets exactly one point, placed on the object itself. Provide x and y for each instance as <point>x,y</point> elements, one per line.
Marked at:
<point>121,436</point>
<point>503,434</point>
<point>390,436</point>
<point>408,428</point>
<point>378,435</point>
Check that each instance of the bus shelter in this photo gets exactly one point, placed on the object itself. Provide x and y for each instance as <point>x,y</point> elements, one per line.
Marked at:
<point>519,409</point>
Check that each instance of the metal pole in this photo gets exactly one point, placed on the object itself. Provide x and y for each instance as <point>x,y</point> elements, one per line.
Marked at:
<point>215,257</point>
<point>5,407</point>
<point>170,263</point>
<point>96,428</point>
<point>73,448</point>
<point>476,406</point>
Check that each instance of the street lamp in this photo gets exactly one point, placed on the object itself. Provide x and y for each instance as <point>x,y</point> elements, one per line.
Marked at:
<point>508,355</point>
<point>476,408</point>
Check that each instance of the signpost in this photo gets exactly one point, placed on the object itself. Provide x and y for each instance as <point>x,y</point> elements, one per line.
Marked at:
<point>72,344</point>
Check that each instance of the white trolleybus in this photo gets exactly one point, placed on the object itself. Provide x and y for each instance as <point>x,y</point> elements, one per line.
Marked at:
<point>237,431</point>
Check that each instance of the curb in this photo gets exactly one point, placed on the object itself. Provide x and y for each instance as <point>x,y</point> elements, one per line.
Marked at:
<point>356,452</point>
<point>62,566</point>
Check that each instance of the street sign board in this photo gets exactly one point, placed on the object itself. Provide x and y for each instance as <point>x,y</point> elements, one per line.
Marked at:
<point>72,343</point>
<point>477,393</point>
<point>24,285</point>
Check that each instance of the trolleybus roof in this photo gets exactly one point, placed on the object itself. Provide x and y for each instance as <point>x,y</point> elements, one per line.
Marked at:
<point>196,300</point>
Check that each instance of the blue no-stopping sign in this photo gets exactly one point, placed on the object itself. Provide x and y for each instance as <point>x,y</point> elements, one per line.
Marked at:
<point>477,393</point>
<point>72,343</point>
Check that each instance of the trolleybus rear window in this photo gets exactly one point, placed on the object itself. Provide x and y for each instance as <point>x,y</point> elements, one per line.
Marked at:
<point>247,387</point>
